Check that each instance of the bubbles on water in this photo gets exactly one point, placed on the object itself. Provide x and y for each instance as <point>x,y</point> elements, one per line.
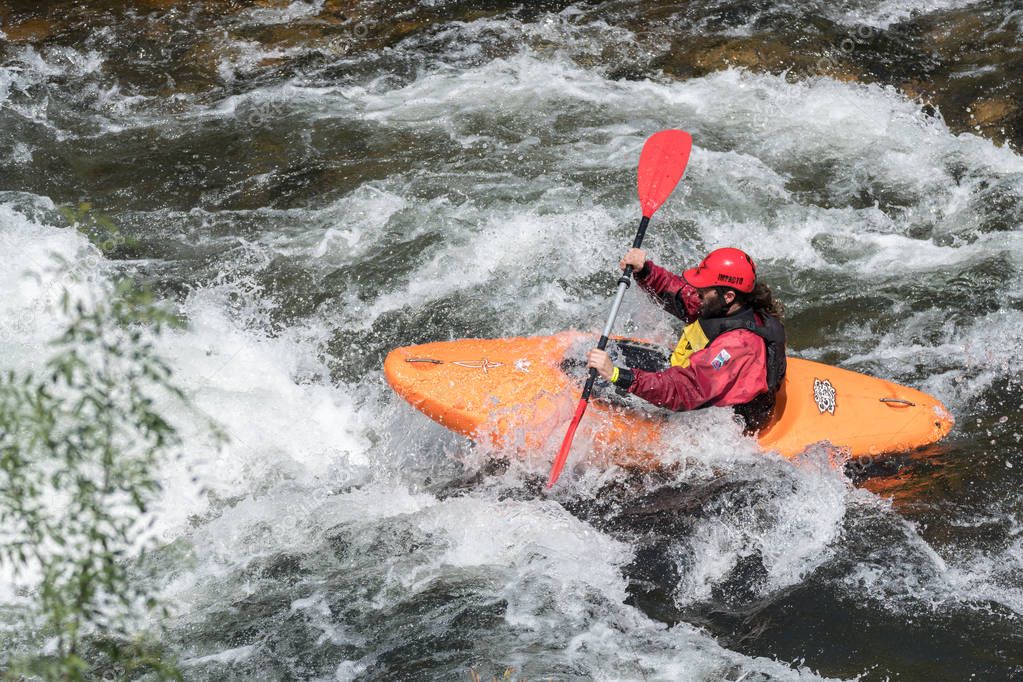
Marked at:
<point>786,526</point>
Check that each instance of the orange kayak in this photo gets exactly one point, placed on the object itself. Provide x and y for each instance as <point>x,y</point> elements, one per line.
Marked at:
<point>521,393</point>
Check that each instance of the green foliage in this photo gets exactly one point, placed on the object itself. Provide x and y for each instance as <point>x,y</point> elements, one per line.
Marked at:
<point>79,449</point>
<point>98,227</point>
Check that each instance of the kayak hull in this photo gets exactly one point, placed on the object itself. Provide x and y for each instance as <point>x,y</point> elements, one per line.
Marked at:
<point>515,392</point>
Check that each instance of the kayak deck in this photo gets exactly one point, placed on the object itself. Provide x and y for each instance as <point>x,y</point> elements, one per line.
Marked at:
<point>521,392</point>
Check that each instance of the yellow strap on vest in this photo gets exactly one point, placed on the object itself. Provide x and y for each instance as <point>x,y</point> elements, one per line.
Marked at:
<point>692,340</point>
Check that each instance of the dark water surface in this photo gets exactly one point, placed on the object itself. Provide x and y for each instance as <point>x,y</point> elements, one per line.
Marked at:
<point>314,184</point>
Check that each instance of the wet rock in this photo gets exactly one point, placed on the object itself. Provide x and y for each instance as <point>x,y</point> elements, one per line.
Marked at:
<point>702,56</point>
<point>977,82</point>
<point>964,64</point>
<point>992,111</point>
<point>995,118</point>
<point>156,4</point>
<point>339,9</point>
<point>28,30</point>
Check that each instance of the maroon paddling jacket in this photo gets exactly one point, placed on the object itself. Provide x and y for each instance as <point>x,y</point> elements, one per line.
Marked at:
<point>732,370</point>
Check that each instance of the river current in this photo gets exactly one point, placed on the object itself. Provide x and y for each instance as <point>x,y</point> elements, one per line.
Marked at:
<point>313,184</point>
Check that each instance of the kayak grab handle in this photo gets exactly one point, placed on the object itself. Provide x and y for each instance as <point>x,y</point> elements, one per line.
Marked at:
<point>897,402</point>
<point>429,360</point>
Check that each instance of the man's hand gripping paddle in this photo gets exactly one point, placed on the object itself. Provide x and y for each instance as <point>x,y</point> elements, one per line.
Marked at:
<point>661,165</point>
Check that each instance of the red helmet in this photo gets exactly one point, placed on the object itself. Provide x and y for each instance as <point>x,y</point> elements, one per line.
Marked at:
<point>724,268</point>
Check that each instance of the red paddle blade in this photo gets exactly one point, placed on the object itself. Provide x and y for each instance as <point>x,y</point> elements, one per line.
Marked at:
<point>661,165</point>
<point>566,445</point>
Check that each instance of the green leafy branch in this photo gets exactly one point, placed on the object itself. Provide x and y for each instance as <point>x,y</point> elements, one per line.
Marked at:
<point>80,446</point>
<point>97,227</point>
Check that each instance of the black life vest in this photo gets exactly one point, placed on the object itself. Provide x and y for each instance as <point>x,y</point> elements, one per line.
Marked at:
<point>756,412</point>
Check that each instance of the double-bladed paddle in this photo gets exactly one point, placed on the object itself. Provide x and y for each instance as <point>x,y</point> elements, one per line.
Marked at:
<point>661,165</point>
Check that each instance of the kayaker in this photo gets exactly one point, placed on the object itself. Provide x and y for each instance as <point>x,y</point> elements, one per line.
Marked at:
<point>732,351</point>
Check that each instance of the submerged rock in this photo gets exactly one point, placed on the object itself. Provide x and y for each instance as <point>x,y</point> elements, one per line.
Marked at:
<point>964,64</point>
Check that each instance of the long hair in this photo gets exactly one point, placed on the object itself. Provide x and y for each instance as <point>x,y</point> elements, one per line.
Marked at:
<point>761,300</point>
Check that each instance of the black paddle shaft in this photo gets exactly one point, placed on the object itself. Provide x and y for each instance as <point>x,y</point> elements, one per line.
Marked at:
<point>623,283</point>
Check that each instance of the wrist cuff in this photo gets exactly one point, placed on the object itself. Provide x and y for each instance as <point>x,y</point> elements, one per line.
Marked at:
<point>622,377</point>
<point>643,271</point>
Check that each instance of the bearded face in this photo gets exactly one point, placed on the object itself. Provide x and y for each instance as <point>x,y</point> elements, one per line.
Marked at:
<point>712,303</point>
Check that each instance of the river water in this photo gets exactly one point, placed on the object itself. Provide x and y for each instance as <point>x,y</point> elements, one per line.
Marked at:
<point>313,184</point>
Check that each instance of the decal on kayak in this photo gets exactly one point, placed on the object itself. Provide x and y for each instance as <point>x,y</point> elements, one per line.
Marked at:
<point>824,395</point>
<point>484,364</point>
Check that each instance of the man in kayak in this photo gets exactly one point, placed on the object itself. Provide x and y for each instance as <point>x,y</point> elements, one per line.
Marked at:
<point>731,353</point>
